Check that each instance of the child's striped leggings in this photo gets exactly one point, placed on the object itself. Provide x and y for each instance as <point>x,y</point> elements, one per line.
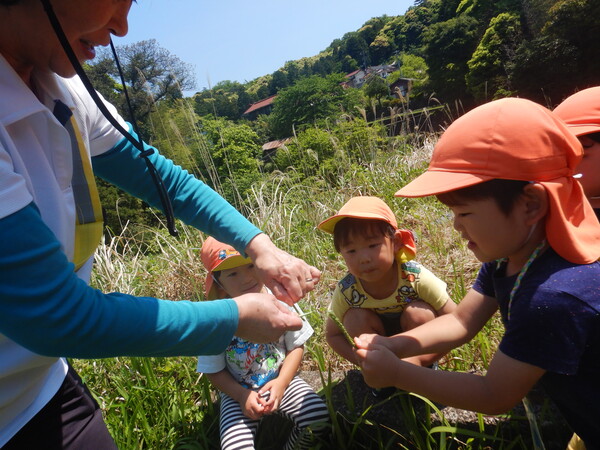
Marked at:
<point>300,404</point>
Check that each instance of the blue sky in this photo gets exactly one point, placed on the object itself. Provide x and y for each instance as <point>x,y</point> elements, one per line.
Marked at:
<point>240,40</point>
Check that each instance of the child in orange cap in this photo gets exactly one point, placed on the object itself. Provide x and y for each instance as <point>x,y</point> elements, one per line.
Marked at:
<point>581,113</point>
<point>384,292</point>
<point>257,379</point>
<point>506,170</point>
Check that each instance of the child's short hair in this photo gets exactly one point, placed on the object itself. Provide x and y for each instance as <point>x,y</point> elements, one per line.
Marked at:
<point>504,192</point>
<point>349,226</point>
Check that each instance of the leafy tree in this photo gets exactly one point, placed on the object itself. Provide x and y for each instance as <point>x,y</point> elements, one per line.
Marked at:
<point>328,153</point>
<point>310,100</point>
<point>392,32</point>
<point>278,81</point>
<point>235,151</point>
<point>576,23</point>
<point>535,15</point>
<point>372,27</point>
<point>151,74</point>
<point>484,10</point>
<point>227,99</point>
<point>376,87</point>
<point>410,30</point>
<point>410,66</point>
<point>292,69</point>
<point>381,49</point>
<point>448,47</point>
<point>488,67</point>
<point>307,154</point>
<point>103,82</point>
<point>357,48</point>
<point>349,64</point>
<point>360,140</point>
<point>543,68</point>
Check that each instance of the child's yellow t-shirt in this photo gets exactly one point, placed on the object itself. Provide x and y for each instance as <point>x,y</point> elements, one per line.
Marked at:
<point>415,282</point>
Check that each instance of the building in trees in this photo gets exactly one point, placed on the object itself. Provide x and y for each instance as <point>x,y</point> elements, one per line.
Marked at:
<point>264,106</point>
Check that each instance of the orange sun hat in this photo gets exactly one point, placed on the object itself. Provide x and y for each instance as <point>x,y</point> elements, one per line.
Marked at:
<point>581,111</point>
<point>365,207</point>
<point>218,256</point>
<point>517,139</point>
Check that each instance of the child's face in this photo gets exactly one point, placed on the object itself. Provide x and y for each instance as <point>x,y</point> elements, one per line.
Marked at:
<point>369,257</point>
<point>240,280</point>
<point>490,233</point>
<point>589,167</point>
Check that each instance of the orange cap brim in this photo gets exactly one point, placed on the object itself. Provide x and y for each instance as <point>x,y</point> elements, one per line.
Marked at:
<point>582,130</point>
<point>434,182</point>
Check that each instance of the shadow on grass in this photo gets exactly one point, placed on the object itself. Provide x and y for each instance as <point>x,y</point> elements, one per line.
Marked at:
<point>359,420</point>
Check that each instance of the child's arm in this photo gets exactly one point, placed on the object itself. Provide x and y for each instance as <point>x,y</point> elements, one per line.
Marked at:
<point>441,334</point>
<point>337,340</point>
<point>277,386</point>
<point>247,398</point>
<point>505,384</point>
<point>448,308</point>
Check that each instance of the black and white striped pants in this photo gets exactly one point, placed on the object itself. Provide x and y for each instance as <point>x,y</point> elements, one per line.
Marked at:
<point>300,404</point>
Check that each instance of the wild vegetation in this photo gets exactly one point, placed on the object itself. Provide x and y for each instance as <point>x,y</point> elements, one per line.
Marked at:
<point>342,142</point>
<point>164,403</point>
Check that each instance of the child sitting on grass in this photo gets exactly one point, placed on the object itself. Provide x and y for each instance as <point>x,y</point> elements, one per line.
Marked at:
<point>581,113</point>
<point>505,170</point>
<point>257,379</point>
<point>384,292</point>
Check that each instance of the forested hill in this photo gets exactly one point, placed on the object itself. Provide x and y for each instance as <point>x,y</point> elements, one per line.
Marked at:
<point>471,50</point>
<point>453,52</point>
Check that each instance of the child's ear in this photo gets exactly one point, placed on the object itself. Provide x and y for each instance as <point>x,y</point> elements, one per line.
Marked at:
<point>398,242</point>
<point>536,202</point>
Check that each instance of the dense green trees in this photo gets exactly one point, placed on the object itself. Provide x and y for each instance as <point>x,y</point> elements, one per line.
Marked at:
<point>488,69</point>
<point>468,51</point>
<point>309,101</point>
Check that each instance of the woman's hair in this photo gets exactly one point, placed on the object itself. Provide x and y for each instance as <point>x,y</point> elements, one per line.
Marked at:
<point>363,227</point>
<point>504,192</point>
<point>8,2</point>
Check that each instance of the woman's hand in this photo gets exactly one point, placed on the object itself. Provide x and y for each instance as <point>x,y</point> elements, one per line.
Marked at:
<point>288,277</point>
<point>262,318</point>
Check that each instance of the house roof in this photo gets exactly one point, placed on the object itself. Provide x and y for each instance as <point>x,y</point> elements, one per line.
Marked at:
<point>260,104</point>
<point>351,74</point>
<point>276,144</point>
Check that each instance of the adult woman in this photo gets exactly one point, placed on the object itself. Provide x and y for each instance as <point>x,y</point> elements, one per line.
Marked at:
<point>49,128</point>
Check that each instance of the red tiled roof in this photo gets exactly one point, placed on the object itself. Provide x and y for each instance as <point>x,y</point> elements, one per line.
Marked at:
<point>260,104</point>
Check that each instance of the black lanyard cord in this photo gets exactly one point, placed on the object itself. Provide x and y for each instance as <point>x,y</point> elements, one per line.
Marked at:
<point>157,179</point>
